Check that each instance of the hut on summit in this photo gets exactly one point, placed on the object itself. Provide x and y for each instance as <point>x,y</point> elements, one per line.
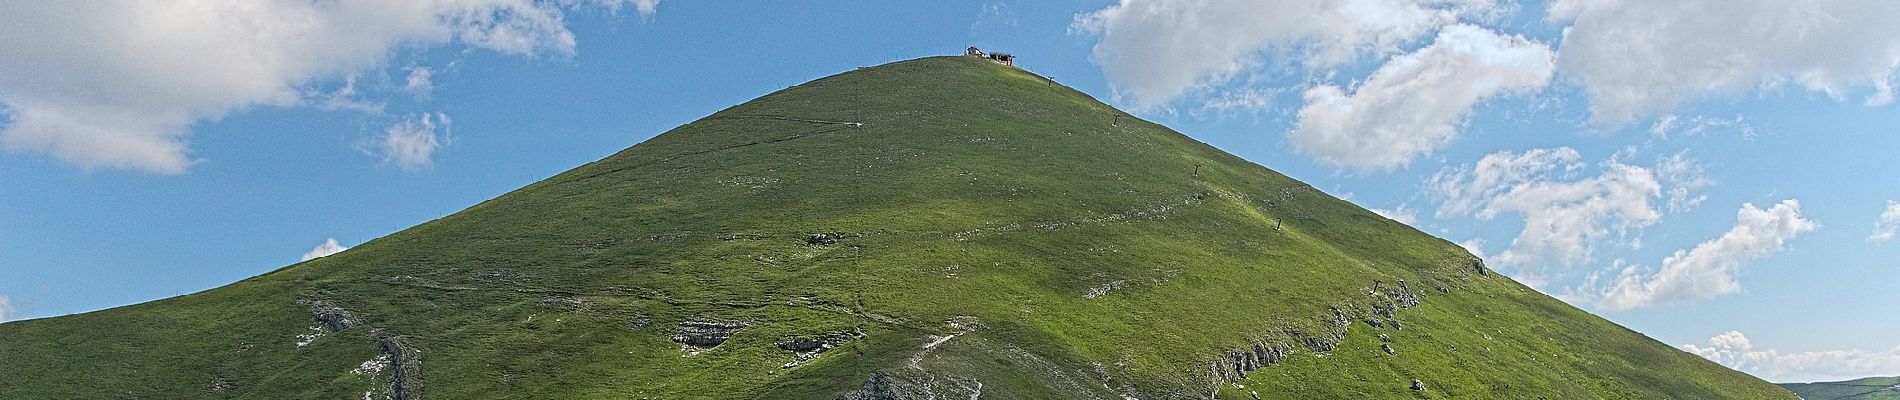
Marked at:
<point>1004,58</point>
<point>1000,57</point>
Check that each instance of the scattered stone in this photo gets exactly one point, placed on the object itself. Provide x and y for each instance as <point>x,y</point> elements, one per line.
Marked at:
<point>1103,289</point>
<point>1384,339</point>
<point>306,338</point>
<point>1388,349</point>
<point>965,323</point>
<point>638,322</point>
<point>706,334</point>
<point>1404,296</point>
<point>823,238</point>
<point>1418,385</point>
<point>564,302</point>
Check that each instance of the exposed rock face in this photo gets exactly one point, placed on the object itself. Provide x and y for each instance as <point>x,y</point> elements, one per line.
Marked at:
<point>818,343</point>
<point>913,385</point>
<point>706,334</point>
<point>880,387</point>
<point>405,372</point>
<point>1380,311</point>
<point>329,315</point>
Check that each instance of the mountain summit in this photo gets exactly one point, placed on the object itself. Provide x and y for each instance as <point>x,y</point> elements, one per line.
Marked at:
<point>947,227</point>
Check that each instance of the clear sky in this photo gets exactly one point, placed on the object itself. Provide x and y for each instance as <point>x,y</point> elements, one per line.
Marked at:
<point>1717,174</point>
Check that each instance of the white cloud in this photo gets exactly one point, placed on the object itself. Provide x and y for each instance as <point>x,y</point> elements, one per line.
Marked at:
<point>1711,269</point>
<point>1684,176</point>
<point>1888,225</point>
<point>1699,125</point>
<point>328,247</point>
<point>7,312</point>
<point>1240,101</point>
<point>1635,58</point>
<point>117,84</point>
<point>644,7</point>
<point>1566,215</point>
<point>1733,349</point>
<point>411,143</point>
<point>1402,213</point>
<point>1154,51</point>
<point>1475,246</point>
<point>419,83</point>
<point>1413,104</point>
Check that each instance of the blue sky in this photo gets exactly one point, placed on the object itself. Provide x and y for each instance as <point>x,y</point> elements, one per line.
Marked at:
<point>1714,174</point>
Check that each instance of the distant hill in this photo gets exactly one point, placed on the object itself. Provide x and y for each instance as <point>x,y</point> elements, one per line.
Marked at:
<point>1858,389</point>
<point>946,227</point>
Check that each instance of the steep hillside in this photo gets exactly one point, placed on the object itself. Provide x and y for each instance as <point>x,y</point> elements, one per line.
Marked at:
<point>941,227</point>
<point>1858,389</point>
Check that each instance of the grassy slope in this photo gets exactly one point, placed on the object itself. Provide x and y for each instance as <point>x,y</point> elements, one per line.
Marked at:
<point>1858,389</point>
<point>972,191</point>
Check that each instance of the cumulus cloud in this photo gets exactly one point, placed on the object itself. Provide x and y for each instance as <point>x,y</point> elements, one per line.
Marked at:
<point>1684,176</point>
<point>1566,214</point>
<point>411,143</point>
<point>1733,349</point>
<point>7,312</point>
<point>1413,104</point>
<point>1713,268</point>
<point>1475,246</point>
<point>1402,213</point>
<point>1887,226</point>
<point>1241,101</point>
<point>1154,51</point>
<point>1635,58</point>
<point>117,84</point>
<point>420,82</point>
<point>328,247</point>
<point>1700,125</point>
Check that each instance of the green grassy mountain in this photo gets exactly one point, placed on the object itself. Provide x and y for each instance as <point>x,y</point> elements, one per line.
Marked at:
<point>1858,389</point>
<point>945,227</point>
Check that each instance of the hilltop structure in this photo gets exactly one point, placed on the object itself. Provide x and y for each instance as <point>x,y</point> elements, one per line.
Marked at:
<point>999,57</point>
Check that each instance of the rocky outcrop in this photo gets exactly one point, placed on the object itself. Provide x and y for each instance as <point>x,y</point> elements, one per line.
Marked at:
<point>817,343</point>
<point>914,385</point>
<point>405,369</point>
<point>329,315</point>
<point>823,238</point>
<point>706,334</point>
<point>1379,310</point>
<point>807,348</point>
<point>883,387</point>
